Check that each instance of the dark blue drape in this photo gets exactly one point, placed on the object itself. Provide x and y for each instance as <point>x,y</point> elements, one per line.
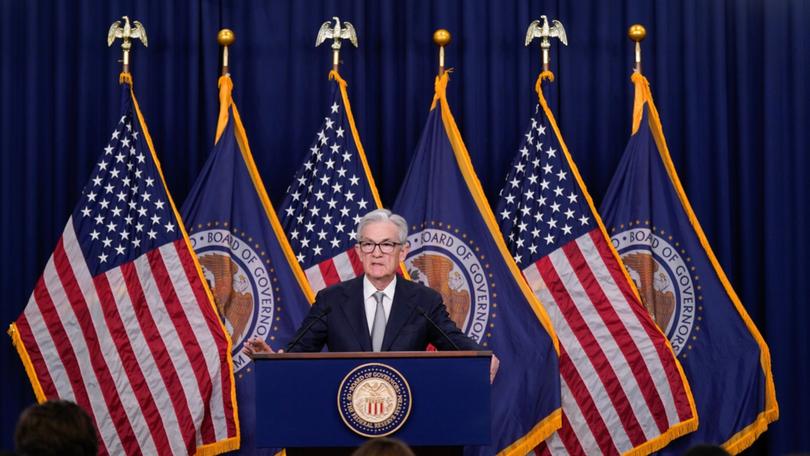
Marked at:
<point>729,78</point>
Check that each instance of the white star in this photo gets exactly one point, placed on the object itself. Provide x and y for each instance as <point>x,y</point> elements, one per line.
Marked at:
<point>541,130</point>
<point>115,172</point>
<point>300,257</point>
<point>552,224</point>
<point>322,137</point>
<point>331,203</point>
<point>324,180</point>
<point>533,249</point>
<point>104,204</point>
<point>115,134</point>
<point>97,181</point>
<point>94,235</point>
<point>316,250</point>
<point>121,196</point>
<point>159,204</point>
<point>549,239</point>
<point>335,148</point>
<point>155,219</point>
<point>116,212</point>
<point>354,180</point>
<point>142,212</point>
<point>103,257</point>
<point>319,195</point>
<point>146,196</point>
<point>341,172</point>
<point>310,226</point>
<point>329,123</point>
<point>327,219</point>
<point>139,227</point>
<point>152,234</point>
<point>126,181</point>
<point>335,107</point>
<point>107,242</point>
<point>525,210</point>
<point>518,258</point>
<point>510,199</point>
<point>339,227</point>
<point>169,227</point>
<point>304,243</point>
<point>315,211</point>
<point>533,179</point>
<point>86,212</point>
<point>128,220</point>
<point>520,243</point>
<point>339,132</point>
<point>548,168</point>
<point>558,191</point>
<point>569,213</point>
<point>515,183</point>
<point>544,184</point>
<point>522,226</point>
<point>141,158</point>
<point>555,207</point>
<point>136,242</point>
<point>566,229</point>
<point>99,219</point>
<point>321,234</point>
<point>551,152</point>
<point>561,175</point>
<point>344,212</point>
<point>335,242</point>
<point>120,250</point>
<point>572,198</point>
<point>108,150</point>
<point>505,214</point>
<point>535,233</point>
<point>149,181</point>
<point>102,165</point>
<point>349,196</point>
<point>524,152</point>
<point>362,203</point>
<point>584,219</point>
<point>111,227</point>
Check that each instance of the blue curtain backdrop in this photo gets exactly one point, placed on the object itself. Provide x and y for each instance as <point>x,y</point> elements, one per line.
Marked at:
<point>729,78</point>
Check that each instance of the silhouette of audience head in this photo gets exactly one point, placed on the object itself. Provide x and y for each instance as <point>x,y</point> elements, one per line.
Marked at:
<point>383,447</point>
<point>55,427</point>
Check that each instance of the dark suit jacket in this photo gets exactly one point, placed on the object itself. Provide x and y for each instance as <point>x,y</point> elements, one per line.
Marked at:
<point>345,328</point>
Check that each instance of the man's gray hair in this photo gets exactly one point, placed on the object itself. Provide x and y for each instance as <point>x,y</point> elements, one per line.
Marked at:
<point>384,215</point>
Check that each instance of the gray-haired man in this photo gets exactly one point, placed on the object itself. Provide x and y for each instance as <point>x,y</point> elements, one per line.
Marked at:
<point>378,311</point>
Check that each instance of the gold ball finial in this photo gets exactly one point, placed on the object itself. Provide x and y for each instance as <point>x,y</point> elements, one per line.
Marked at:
<point>441,37</point>
<point>225,37</point>
<point>636,32</point>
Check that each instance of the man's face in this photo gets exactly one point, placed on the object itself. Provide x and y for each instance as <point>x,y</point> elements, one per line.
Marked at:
<point>380,267</point>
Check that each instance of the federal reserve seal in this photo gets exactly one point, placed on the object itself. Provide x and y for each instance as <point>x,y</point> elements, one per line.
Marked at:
<point>441,259</point>
<point>241,283</point>
<point>374,400</point>
<point>664,279</point>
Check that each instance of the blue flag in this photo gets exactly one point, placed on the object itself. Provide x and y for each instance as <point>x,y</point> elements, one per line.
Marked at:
<point>259,289</point>
<point>686,291</point>
<point>457,249</point>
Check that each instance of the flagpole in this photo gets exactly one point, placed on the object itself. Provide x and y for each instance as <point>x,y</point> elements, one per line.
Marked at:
<point>637,33</point>
<point>441,38</point>
<point>336,34</point>
<point>126,33</point>
<point>542,30</point>
<point>225,38</point>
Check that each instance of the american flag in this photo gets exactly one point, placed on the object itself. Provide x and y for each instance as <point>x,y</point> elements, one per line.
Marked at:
<point>329,194</point>
<point>120,321</point>
<point>622,388</point>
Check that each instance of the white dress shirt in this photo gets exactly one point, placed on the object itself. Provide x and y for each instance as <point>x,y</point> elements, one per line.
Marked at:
<point>371,303</point>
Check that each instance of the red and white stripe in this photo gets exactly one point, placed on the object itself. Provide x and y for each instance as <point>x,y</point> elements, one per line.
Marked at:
<point>620,383</point>
<point>339,268</point>
<point>139,347</point>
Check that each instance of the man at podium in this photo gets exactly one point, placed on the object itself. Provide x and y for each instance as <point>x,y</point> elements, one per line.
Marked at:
<point>378,311</point>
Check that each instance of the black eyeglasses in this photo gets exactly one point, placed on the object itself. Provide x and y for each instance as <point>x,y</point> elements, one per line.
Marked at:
<point>385,246</point>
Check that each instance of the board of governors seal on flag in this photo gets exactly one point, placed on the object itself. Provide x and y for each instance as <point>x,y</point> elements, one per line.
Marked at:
<point>374,400</point>
<point>664,277</point>
<point>446,260</point>
<point>241,282</point>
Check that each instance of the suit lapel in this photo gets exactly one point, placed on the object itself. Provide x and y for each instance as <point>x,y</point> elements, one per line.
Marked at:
<point>400,312</point>
<point>354,309</point>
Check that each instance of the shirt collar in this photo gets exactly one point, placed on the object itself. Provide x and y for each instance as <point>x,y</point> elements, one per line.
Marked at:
<point>369,289</point>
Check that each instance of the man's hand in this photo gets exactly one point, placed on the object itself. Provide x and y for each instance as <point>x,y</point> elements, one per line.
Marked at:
<point>256,346</point>
<point>493,367</point>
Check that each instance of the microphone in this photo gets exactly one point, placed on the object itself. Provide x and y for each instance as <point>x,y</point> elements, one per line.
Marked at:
<point>433,323</point>
<point>306,328</point>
